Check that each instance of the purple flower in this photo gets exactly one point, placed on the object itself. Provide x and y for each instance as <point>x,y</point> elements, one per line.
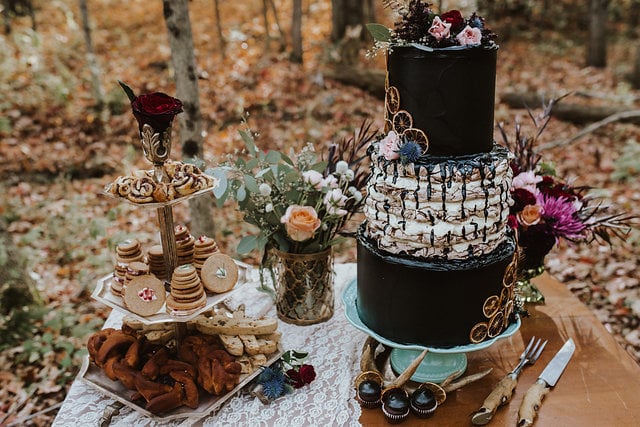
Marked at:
<point>410,152</point>
<point>561,217</point>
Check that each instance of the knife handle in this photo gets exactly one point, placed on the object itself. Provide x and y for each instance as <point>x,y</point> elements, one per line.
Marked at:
<point>531,403</point>
<point>500,395</point>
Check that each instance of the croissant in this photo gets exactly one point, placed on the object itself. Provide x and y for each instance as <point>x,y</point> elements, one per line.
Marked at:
<point>149,389</point>
<point>115,342</point>
<point>125,374</point>
<point>151,369</point>
<point>166,402</point>
<point>190,388</point>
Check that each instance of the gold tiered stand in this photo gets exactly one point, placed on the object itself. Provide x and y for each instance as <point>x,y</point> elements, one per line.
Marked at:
<point>157,148</point>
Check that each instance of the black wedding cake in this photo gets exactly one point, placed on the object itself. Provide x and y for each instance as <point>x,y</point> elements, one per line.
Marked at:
<point>436,262</point>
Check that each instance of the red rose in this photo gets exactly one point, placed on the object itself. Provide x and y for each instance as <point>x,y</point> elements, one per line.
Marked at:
<point>512,221</point>
<point>156,110</point>
<point>521,198</point>
<point>453,17</point>
<point>307,373</point>
<point>295,378</point>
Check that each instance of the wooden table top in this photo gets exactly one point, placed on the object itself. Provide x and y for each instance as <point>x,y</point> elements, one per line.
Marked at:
<point>599,387</point>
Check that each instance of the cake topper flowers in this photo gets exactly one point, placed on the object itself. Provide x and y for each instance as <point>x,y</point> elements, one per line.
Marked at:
<point>421,27</point>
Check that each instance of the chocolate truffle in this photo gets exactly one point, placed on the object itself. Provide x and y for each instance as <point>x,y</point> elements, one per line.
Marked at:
<point>423,403</point>
<point>395,405</point>
<point>368,394</point>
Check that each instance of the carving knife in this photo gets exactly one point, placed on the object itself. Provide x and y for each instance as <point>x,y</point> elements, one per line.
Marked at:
<point>547,379</point>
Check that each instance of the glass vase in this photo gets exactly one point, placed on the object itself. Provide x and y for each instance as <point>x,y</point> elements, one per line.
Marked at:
<point>304,287</point>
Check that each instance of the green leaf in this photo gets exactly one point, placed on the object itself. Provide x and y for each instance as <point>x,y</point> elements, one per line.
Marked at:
<point>319,167</point>
<point>241,194</point>
<point>221,190</point>
<point>247,244</point>
<point>249,142</point>
<point>251,184</point>
<point>379,32</point>
<point>287,159</point>
<point>273,157</point>
<point>263,172</point>
<point>127,90</point>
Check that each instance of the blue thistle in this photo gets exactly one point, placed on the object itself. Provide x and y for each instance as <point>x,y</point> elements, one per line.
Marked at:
<point>410,152</point>
<point>273,382</point>
<point>476,21</point>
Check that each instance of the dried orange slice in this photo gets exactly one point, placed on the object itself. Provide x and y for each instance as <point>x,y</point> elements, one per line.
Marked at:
<point>491,306</point>
<point>508,311</point>
<point>392,100</point>
<point>496,324</point>
<point>418,136</point>
<point>479,332</point>
<point>402,121</point>
<point>509,277</point>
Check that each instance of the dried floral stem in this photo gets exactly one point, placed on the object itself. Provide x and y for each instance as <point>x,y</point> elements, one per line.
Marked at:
<point>452,386</point>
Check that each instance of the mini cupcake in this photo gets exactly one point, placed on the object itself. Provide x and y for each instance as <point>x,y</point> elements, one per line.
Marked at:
<point>423,402</point>
<point>395,405</point>
<point>369,389</point>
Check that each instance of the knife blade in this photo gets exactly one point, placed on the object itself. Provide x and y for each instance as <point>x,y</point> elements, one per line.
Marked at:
<point>547,379</point>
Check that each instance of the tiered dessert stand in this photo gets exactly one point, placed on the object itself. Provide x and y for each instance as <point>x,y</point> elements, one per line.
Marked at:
<point>439,363</point>
<point>157,149</point>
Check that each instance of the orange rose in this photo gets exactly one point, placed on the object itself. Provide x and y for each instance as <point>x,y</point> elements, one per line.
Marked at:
<point>301,222</point>
<point>530,215</point>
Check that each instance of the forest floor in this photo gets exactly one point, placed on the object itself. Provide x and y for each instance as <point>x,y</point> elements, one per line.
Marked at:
<point>56,157</point>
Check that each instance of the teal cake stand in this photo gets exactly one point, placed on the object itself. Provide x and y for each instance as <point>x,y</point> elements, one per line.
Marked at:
<point>439,363</point>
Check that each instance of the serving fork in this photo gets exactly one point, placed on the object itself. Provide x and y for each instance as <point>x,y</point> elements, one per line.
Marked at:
<point>503,391</point>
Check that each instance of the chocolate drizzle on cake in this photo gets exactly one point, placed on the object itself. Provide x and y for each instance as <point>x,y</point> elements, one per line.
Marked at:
<point>472,203</point>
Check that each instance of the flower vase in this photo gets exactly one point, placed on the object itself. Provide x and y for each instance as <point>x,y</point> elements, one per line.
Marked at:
<point>304,287</point>
<point>526,291</point>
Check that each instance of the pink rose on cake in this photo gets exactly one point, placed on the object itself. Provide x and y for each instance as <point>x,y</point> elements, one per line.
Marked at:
<point>469,36</point>
<point>530,215</point>
<point>390,146</point>
<point>301,222</point>
<point>439,29</point>
<point>527,181</point>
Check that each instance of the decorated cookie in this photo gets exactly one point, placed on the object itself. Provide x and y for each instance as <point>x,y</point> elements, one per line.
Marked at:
<point>144,295</point>
<point>219,273</point>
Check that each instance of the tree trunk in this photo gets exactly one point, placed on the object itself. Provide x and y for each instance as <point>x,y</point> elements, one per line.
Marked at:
<point>221,41</point>
<point>176,15</point>
<point>296,32</point>
<point>344,14</point>
<point>597,45</point>
<point>17,289</point>
<point>635,76</point>
<point>92,62</point>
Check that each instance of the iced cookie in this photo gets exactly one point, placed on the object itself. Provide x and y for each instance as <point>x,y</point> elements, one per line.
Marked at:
<point>219,273</point>
<point>144,295</point>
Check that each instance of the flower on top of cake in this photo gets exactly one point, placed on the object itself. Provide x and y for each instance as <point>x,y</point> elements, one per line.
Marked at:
<point>421,27</point>
<point>402,148</point>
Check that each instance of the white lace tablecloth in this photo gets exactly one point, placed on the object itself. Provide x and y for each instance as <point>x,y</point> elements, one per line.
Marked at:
<point>334,350</point>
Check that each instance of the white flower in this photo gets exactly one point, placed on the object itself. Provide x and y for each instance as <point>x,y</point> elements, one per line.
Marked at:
<point>349,175</point>
<point>265,189</point>
<point>268,207</point>
<point>334,200</point>
<point>313,178</point>
<point>357,196</point>
<point>330,182</point>
<point>342,167</point>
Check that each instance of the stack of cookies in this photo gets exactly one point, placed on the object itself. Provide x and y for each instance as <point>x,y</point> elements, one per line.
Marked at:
<point>156,262</point>
<point>187,292</point>
<point>204,248</point>
<point>135,269</point>
<point>185,245</point>
<point>127,252</point>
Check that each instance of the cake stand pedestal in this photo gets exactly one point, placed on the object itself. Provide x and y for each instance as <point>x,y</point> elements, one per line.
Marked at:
<point>438,364</point>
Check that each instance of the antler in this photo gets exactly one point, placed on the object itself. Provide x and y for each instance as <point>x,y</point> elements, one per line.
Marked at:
<point>409,371</point>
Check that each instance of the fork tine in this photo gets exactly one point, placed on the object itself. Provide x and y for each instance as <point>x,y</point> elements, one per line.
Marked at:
<point>534,349</point>
<point>535,357</point>
<point>526,350</point>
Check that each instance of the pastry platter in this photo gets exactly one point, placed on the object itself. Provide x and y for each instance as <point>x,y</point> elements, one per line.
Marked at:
<point>160,204</point>
<point>439,363</point>
<point>103,294</point>
<point>96,378</point>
